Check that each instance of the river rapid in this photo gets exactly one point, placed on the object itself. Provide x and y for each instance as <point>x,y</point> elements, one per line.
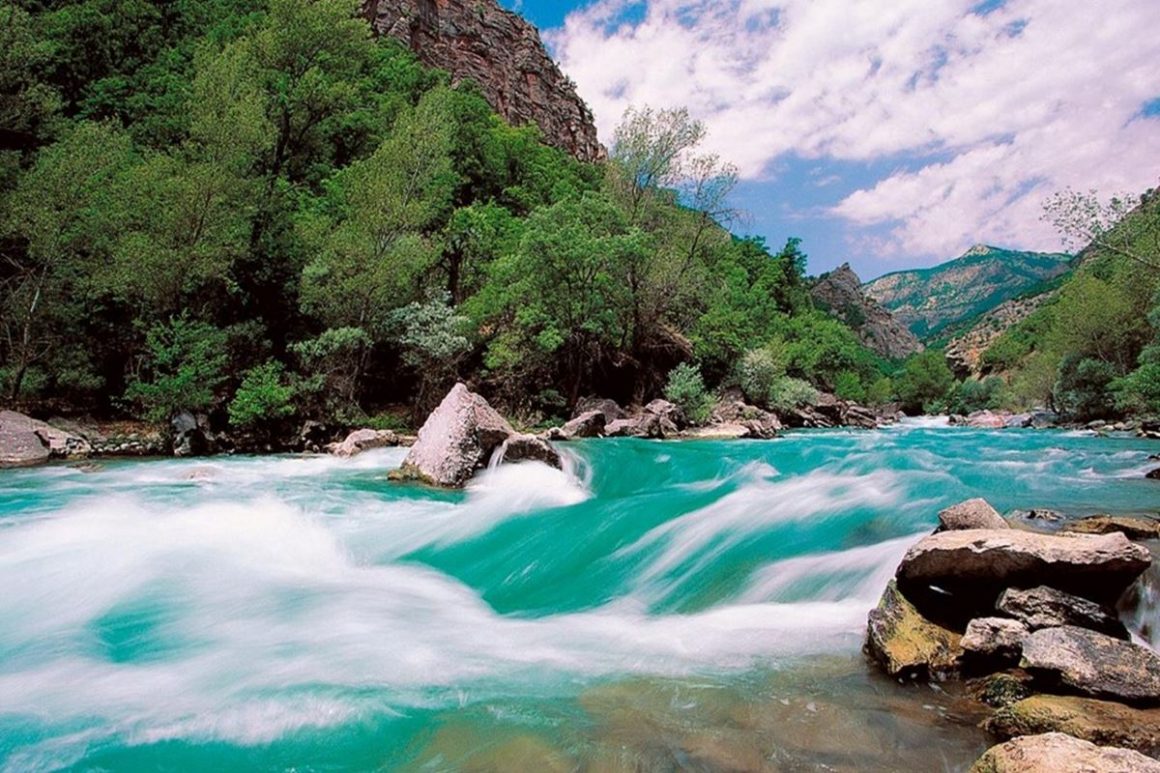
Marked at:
<point>657,606</point>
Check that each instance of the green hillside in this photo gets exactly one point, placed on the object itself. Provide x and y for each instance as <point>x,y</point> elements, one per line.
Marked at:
<point>929,301</point>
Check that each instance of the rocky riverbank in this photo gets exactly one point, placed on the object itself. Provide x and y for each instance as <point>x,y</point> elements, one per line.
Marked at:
<point>1028,620</point>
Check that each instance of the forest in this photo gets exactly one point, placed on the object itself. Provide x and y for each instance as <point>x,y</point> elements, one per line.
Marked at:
<point>258,210</point>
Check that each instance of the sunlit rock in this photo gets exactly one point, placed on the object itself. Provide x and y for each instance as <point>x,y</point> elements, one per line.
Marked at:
<point>364,440</point>
<point>1093,664</point>
<point>905,643</point>
<point>1059,753</point>
<point>972,514</point>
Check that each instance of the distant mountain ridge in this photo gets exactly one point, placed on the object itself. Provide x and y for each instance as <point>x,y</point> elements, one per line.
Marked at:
<point>840,292</point>
<point>930,300</point>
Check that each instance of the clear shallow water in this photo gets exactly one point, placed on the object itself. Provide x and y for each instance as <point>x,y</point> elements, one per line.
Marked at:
<point>663,606</point>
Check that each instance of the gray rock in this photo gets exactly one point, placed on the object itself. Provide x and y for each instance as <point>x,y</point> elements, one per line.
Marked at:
<point>25,441</point>
<point>364,440</point>
<point>1045,607</point>
<point>608,408</point>
<point>720,432</point>
<point>529,448</point>
<point>734,412</point>
<point>994,639</point>
<point>972,514</point>
<point>588,424</point>
<point>1093,664</point>
<point>666,412</point>
<point>1059,753</point>
<point>986,420</point>
<point>965,571</point>
<point>1043,420</point>
<point>190,437</point>
<point>621,428</point>
<point>459,438</point>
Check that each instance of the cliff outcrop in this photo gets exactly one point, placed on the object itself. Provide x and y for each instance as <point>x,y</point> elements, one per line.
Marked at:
<point>480,41</point>
<point>840,291</point>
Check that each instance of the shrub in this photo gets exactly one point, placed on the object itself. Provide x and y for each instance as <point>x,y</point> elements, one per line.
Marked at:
<point>263,397</point>
<point>848,386</point>
<point>686,389</point>
<point>1083,389</point>
<point>788,393</point>
<point>925,383</point>
<point>185,363</point>
<point>1139,392</point>
<point>880,392</point>
<point>758,370</point>
<point>972,395</point>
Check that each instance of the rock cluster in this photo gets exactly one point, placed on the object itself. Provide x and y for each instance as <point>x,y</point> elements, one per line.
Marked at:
<point>841,292</point>
<point>461,436</point>
<point>479,41</point>
<point>1029,617</point>
<point>25,442</point>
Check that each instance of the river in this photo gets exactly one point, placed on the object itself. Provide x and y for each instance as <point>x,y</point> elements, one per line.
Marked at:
<point>657,606</point>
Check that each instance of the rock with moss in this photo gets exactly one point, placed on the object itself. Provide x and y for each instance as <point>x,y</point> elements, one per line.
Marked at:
<point>908,645</point>
<point>1092,664</point>
<point>1059,753</point>
<point>1134,527</point>
<point>1106,723</point>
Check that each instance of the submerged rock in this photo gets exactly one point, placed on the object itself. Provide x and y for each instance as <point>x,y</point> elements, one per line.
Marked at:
<point>1134,527</point>
<point>905,643</point>
<point>459,438</point>
<point>1045,607</point>
<point>972,514</point>
<point>364,440</point>
<point>1093,664</point>
<point>1106,723</point>
<point>25,442</point>
<point>964,572</point>
<point>1059,753</point>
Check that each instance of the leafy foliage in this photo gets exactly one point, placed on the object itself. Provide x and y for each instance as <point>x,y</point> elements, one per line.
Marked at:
<point>184,365</point>
<point>686,389</point>
<point>263,396</point>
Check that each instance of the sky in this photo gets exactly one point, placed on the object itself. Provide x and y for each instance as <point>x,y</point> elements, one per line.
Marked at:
<point>887,133</point>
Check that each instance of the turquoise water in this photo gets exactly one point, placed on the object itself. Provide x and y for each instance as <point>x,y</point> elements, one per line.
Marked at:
<point>660,606</point>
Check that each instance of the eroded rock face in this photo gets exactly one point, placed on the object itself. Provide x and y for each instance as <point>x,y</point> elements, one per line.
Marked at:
<point>972,514</point>
<point>459,438</point>
<point>25,442</point>
<point>841,292</point>
<point>1094,664</point>
<point>1045,607</point>
<point>478,40</point>
<point>905,643</point>
<point>967,570</point>
<point>1106,723</point>
<point>1059,753</point>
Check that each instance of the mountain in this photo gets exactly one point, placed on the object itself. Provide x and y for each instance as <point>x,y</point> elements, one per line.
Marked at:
<point>930,300</point>
<point>840,292</point>
<point>965,351</point>
<point>478,40</point>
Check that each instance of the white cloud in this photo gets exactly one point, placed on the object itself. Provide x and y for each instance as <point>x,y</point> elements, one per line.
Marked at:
<point>984,114</point>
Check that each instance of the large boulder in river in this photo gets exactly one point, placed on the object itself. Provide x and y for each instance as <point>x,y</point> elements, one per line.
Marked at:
<point>459,438</point>
<point>25,441</point>
<point>1045,607</point>
<point>972,514</point>
<point>1059,753</point>
<point>1106,723</point>
<point>1093,664</point>
<point>905,643</point>
<point>963,572</point>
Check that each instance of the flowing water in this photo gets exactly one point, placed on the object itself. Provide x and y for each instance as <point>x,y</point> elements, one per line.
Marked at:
<point>660,606</point>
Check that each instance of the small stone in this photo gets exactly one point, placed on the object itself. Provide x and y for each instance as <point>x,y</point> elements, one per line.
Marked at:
<point>972,514</point>
<point>994,639</point>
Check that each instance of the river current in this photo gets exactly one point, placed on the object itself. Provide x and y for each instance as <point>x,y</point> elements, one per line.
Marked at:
<point>657,606</point>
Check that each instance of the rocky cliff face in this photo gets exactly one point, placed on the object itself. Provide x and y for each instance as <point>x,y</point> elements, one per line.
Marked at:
<point>965,352</point>
<point>480,41</point>
<point>840,291</point>
<point>928,301</point>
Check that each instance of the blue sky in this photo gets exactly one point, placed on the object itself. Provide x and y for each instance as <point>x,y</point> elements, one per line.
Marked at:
<point>889,135</point>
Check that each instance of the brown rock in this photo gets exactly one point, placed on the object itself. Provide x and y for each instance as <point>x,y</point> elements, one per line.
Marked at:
<point>905,643</point>
<point>1059,753</point>
<point>1093,664</point>
<point>364,440</point>
<point>994,639</point>
<point>1105,723</point>
<point>840,291</point>
<point>25,442</point>
<point>588,424</point>
<point>972,514</point>
<point>477,40</point>
<point>1134,527</point>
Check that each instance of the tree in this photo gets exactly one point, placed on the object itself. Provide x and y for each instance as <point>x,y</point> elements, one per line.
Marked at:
<point>183,366</point>
<point>649,149</point>
<point>925,383</point>
<point>263,398</point>
<point>433,343</point>
<point>1083,219</point>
